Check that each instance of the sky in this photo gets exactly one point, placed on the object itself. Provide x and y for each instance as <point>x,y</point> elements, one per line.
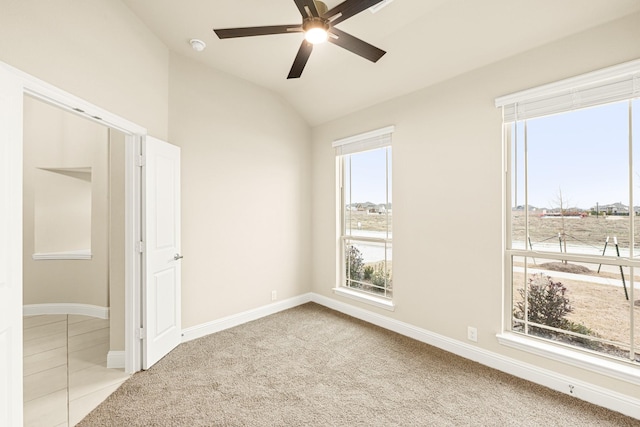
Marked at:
<point>584,155</point>
<point>368,177</point>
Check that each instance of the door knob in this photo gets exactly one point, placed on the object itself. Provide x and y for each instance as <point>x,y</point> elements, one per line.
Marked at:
<point>177,257</point>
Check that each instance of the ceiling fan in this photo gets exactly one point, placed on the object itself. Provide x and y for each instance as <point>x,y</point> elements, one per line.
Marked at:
<point>318,25</point>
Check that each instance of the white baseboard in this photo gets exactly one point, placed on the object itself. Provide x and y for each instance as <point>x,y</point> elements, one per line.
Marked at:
<point>204,329</point>
<point>115,359</point>
<point>66,308</point>
<point>581,389</point>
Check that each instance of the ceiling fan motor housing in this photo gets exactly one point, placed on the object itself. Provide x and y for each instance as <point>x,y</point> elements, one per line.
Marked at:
<point>315,22</point>
<point>321,7</point>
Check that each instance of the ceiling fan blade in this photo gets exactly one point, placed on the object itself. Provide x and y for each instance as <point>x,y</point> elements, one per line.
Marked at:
<point>301,60</point>
<point>228,33</point>
<point>355,45</point>
<point>308,3</point>
<point>347,9</point>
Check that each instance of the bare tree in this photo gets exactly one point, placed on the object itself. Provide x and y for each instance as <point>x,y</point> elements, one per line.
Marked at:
<point>563,204</point>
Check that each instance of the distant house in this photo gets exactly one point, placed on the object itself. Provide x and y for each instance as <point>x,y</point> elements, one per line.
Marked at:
<point>380,209</point>
<point>612,209</point>
<point>521,208</point>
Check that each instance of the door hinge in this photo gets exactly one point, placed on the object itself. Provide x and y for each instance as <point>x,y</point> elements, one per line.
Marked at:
<point>141,334</point>
<point>140,247</point>
<point>140,161</point>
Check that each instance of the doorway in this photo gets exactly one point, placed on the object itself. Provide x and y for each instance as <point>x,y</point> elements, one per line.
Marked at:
<point>152,176</point>
<point>73,263</point>
<point>14,84</point>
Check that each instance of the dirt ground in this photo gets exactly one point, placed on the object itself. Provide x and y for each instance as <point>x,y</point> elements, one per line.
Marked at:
<point>370,222</point>
<point>590,230</point>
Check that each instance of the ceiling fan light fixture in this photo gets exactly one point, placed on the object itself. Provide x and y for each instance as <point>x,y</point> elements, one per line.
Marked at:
<point>316,35</point>
<point>316,30</point>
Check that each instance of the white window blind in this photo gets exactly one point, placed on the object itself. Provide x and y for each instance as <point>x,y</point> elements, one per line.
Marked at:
<point>604,86</point>
<point>365,141</point>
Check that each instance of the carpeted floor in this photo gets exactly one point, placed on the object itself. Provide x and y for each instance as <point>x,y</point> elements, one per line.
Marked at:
<point>311,366</point>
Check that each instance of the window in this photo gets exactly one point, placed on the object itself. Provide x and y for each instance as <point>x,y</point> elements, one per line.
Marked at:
<point>365,211</point>
<point>573,212</point>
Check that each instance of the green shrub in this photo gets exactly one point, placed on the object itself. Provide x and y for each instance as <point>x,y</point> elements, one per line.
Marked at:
<point>368,271</point>
<point>579,328</point>
<point>380,276</point>
<point>354,264</point>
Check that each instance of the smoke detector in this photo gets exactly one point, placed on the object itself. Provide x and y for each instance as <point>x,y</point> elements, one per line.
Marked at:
<point>197,45</point>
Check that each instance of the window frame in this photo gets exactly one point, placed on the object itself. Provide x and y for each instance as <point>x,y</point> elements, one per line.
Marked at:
<point>376,139</point>
<point>612,84</point>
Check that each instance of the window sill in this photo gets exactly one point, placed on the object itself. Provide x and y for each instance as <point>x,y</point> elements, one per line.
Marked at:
<point>69,255</point>
<point>621,370</point>
<point>365,298</point>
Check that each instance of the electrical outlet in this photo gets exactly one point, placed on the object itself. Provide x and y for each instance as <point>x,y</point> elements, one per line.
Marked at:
<point>274,295</point>
<point>472,334</point>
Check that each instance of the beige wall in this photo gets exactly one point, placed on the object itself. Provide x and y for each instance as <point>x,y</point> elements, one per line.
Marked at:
<point>447,153</point>
<point>57,139</point>
<point>245,198</point>
<point>95,49</point>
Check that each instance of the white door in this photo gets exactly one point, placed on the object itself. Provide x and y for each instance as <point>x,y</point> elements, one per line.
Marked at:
<point>10,250</point>
<point>161,236</point>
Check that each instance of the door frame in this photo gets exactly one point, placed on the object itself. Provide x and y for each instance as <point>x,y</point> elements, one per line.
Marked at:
<point>50,94</point>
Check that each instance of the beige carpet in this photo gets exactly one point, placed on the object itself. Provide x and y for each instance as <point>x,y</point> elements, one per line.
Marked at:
<point>310,366</point>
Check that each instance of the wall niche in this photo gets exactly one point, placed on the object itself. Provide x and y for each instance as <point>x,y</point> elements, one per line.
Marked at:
<point>66,207</point>
<point>62,220</point>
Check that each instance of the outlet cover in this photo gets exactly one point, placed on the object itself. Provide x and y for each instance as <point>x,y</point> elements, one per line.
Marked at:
<point>472,334</point>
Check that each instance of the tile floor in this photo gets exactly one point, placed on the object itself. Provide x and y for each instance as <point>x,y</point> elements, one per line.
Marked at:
<point>65,368</point>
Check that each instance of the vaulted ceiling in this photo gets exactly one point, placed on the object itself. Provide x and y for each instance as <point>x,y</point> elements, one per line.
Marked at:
<point>427,41</point>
